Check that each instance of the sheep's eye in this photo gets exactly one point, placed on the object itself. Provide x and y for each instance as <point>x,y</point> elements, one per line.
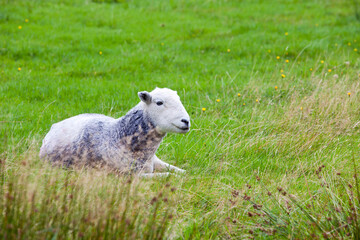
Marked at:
<point>159,103</point>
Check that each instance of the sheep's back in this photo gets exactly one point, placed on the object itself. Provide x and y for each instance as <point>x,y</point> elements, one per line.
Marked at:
<point>77,139</point>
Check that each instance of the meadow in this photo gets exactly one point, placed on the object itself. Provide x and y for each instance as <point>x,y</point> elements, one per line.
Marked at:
<point>272,89</point>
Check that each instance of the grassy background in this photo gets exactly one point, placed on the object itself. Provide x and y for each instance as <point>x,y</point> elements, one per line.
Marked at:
<point>62,58</point>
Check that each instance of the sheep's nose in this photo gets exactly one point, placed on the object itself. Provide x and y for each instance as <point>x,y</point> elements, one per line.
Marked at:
<point>185,121</point>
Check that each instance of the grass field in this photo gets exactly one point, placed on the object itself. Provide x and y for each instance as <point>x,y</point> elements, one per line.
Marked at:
<point>272,89</point>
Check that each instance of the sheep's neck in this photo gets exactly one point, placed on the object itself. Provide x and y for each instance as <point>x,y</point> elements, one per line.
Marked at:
<point>138,135</point>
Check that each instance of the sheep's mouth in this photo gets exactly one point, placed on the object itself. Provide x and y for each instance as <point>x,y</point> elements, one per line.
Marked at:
<point>182,128</point>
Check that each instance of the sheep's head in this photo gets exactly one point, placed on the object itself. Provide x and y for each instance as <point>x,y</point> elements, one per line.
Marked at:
<point>165,109</point>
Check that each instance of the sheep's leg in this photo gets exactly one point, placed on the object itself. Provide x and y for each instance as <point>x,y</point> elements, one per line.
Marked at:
<point>151,175</point>
<point>160,165</point>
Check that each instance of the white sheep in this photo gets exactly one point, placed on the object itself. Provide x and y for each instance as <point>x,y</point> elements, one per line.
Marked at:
<point>127,144</point>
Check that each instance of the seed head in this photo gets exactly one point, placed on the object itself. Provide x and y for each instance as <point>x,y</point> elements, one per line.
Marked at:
<point>247,198</point>
<point>153,200</point>
<point>235,193</point>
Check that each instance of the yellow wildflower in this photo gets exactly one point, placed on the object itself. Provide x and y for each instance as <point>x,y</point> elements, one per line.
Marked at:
<point>278,57</point>
<point>301,108</point>
<point>26,20</point>
<point>239,94</point>
<point>322,61</point>
<point>257,100</point>
<point>355,49</point>
<point>218,100</point>
<point>100,52</point>
<point>228,50</point>
<point>287,60</point>
<point>269,51</point>
<point>349,93</point>
<point>310,69</point>
<point>276,87</point>
<point>283,75</point>
<point>349,43</point>
<point>203,109</point>
<point>243,104</point>
<point>281,71</point>
<point>329,70</point>
<point>19,27</point>
<point>286,33</point>
<point>19,68</point>
<point>162,44</point>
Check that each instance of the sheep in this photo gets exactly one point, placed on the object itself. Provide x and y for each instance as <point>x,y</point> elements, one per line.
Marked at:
<point>127,144</point>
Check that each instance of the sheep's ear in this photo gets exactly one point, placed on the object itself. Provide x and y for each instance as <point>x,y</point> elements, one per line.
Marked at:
<point>145,97</point>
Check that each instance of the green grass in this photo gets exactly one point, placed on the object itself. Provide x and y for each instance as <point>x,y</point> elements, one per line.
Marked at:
<point>238,150</point>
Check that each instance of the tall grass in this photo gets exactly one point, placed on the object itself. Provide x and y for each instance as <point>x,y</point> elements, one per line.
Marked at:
<point>38,201</point>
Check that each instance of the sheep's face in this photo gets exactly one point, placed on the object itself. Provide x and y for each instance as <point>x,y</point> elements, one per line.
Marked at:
<point>165,109</point>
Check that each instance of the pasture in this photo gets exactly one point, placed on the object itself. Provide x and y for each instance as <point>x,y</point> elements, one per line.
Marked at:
<point>271,87</point>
